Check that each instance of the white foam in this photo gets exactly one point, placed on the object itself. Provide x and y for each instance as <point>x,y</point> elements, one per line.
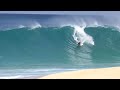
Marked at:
<point>23,73</point>
<point>35,25</point>
<point>21,26</point>
<point>11,77</point>
<point>79,35</point>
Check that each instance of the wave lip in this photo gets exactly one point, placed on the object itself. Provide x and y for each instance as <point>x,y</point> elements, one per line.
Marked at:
<point>21,26</point>
<point>35,25</point>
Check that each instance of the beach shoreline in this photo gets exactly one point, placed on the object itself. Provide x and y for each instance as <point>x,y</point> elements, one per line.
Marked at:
<point>98,73</point>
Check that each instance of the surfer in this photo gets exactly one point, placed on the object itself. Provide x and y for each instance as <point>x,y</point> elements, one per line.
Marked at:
<point>79,43</point>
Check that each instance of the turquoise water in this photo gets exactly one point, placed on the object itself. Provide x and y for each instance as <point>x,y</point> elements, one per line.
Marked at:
<point>44,47</point>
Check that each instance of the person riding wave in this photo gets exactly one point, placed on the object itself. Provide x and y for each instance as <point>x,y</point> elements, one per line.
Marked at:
<point>79,43</point>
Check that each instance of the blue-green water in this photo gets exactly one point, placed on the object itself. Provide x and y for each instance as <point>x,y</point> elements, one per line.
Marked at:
<point>32,45</point>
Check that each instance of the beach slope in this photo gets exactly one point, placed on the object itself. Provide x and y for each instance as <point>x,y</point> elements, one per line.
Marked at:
<point>100,73</point>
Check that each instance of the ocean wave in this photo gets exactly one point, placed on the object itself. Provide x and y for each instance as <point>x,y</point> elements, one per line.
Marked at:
<point>33,42</point>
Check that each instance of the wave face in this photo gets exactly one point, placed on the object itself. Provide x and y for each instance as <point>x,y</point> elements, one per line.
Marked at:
<point>50,41</point>
<point>57,47</point>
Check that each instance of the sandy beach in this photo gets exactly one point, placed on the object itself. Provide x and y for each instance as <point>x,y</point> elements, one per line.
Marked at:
<point>100,73</point>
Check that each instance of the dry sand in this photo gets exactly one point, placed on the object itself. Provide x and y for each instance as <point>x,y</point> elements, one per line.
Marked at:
<point>101,73</point>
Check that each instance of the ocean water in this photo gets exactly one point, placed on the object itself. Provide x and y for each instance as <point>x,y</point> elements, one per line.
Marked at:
<point>36,45</point>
